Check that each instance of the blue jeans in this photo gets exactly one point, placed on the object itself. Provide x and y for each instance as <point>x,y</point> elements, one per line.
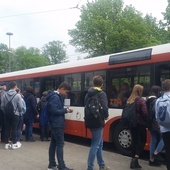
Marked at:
<point>20,122</point>
<point>156,143</point>
<point>28,129</point>
<point>56,145</point>
<point>96,148</point>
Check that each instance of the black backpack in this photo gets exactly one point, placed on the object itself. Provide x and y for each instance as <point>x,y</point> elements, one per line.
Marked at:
<point>9,108</point>
<point>129,117</point>
<point>93,112</point>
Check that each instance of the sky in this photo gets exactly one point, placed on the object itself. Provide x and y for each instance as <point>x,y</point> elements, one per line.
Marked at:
<point>50,20</point>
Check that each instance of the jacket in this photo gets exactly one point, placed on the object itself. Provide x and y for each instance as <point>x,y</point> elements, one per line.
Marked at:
<point>56,110</point>
<point>31,106</point>
<point>142,112</point>
<point>16,101</point>
<point>102,99</point>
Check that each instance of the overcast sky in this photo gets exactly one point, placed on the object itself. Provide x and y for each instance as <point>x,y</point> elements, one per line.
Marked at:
<point>53,21</point>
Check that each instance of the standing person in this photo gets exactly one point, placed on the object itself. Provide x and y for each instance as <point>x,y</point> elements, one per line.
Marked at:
<point>138,132</point>
<point>97,130</point>
<point>44,127</point>
<point>2,121</point>
<point>20,122</point>
<point>156,143</point>
<point>11,121</point>
<point>31,113</point>
<point>57,123</point>
<point>162,110</point>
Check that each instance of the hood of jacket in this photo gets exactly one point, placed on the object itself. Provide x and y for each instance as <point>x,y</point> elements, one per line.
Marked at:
<point>50,94</point>
<point>10,93</point>
<point>93,90</point>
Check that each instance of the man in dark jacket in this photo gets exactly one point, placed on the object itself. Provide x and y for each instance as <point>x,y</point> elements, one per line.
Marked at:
<point>97,132</point>
<point>57,122</point>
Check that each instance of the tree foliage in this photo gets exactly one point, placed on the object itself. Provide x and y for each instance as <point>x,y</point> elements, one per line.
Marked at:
<point>55,52</point>
<point>106,26</point>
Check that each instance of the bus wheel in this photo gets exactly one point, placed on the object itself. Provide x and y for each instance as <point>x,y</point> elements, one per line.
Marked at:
<point>122,139</point>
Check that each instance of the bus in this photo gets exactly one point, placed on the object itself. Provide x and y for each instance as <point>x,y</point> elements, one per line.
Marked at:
<point>120,71</point>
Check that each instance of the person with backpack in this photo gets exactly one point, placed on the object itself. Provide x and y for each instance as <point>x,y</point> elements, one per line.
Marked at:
<point>96,112</point>
<point>139,131</point>
<point>162,109</point>
<point>44,124</point>
<point>31,113</point>
<point>2,121</point>
<point>57,113</point>
<point>156,142</point>
<point>11,105</point>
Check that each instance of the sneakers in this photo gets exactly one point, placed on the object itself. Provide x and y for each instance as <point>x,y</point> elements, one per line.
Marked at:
<point>52,168</point>
<point>19,143</point>
<point>16,146</point>
<point>159,157</point>
<point>8,146</point>
<point>154,163</point>
<point>105,168</point>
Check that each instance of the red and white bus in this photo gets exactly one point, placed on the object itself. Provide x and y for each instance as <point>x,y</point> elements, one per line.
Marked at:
<point>121,71</point>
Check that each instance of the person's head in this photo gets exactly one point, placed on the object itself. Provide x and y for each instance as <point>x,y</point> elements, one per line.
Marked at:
<point>98,81</point>
<point>29,89</point>
<point>155,90</point>
<point>64,88</point>
<point>166,85</point>
<point>45,93</point>
<point>3,85</point>
<point>13,85</point>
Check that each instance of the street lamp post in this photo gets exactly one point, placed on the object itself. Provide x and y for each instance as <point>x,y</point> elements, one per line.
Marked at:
<point>9,34</point>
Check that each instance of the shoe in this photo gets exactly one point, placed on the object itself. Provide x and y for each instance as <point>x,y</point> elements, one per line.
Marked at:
<point>134,164</point>
<point>15,146</point>
<point>19,143</point>
<point>105,168</point>
<point>158,157</point>
<point>8,146</point>
<point>66,168</point>
<point>154,163</point>
<point>52,168</point>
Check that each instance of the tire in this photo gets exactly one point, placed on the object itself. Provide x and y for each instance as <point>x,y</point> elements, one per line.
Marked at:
<point>122,139</point>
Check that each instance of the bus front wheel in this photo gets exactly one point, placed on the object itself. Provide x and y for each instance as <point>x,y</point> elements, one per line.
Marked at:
<point>122,140</point>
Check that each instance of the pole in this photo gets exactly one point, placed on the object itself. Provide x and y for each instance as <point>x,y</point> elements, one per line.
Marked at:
<point>9,54</point>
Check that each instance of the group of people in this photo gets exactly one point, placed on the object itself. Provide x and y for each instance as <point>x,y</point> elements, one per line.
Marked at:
<point>160,136</point>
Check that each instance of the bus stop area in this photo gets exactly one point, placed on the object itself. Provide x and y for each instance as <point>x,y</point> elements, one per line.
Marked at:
<point>34,156</point>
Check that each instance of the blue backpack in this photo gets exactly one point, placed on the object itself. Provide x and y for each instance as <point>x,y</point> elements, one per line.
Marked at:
<point>44,117</point>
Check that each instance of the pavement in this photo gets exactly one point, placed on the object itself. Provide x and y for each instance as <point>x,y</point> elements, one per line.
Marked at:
<point>34,156</point>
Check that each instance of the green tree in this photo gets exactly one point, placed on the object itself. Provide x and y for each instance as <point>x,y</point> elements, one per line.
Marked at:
<point>55,52</point>
<point>4,58</point>
<point>28,58</point>
<point>105,27</point>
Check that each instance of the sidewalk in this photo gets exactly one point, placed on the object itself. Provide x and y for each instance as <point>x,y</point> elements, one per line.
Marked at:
<point>34,156</point>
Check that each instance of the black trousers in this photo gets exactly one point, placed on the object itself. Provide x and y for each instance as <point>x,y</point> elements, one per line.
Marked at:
<point>2,124</point>
<point>166,138</point>
<point>139,139</point>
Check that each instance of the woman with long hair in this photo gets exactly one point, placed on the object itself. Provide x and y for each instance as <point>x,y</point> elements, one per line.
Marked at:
<point>138,132</point>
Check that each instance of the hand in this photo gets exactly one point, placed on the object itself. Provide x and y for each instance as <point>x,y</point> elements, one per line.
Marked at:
<point>37,116</point>
<point>69,110</point>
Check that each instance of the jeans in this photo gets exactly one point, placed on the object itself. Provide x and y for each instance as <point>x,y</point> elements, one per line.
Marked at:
<point>28,129</point>
<point>11,124</point>
<point>56,145</point>
<point>156,143</point>
<point>96,148</point>
<point>20,122</point>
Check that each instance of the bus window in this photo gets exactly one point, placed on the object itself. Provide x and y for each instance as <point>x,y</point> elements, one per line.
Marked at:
<point>123,80</point>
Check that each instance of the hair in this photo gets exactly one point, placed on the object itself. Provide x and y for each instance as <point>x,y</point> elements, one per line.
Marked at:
<point>65,86</point>
<point>18,90</point>
<point>12,84</point>
<point>45,93</point>
<point>136,91</point>
<point>155,90</point>
<point>29,89</point>
<point>97,81</point>
<point>166,85</point>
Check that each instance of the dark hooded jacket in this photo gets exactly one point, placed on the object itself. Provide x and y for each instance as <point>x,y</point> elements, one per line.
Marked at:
<point>31,105</point>
<point>102,99</point>
<point>56,110</point>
